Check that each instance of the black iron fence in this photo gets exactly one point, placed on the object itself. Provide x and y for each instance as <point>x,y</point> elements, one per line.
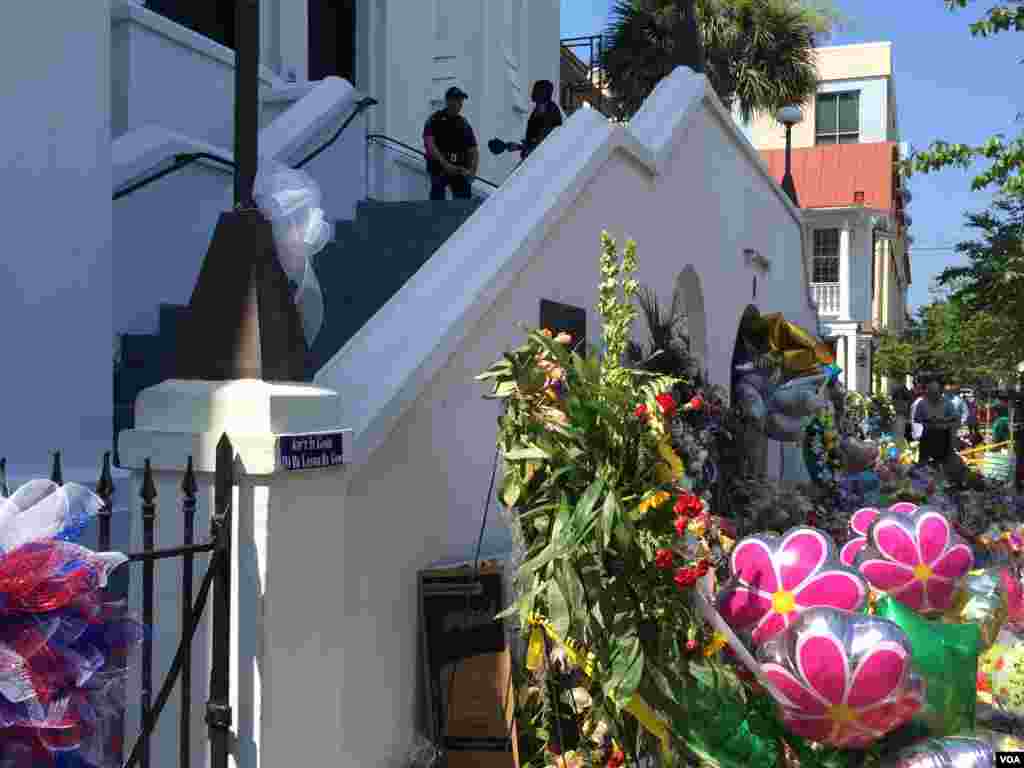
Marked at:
<point>217,580</point>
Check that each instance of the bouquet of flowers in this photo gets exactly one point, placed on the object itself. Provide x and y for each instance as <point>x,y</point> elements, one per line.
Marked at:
<point>615,535</point>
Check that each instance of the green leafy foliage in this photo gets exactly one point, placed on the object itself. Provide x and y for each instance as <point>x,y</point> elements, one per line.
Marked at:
<point>1004,156</point>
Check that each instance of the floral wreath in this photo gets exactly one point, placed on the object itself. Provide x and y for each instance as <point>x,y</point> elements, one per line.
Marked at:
<point>821,449</point>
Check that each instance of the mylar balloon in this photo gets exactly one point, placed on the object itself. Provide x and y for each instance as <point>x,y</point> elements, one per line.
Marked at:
<point>845,677</point>
<point>976,751</point>
<point>1008,681</point>
<point>857,455</point>
<point>946,657</point>
<point>982,601</point>
<point>918,559</point>
<point>860,524</point>
<point>775,578</point>
<point>945,753</point>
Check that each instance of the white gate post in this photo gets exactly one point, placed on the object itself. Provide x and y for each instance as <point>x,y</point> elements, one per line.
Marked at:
<point>178,419</point>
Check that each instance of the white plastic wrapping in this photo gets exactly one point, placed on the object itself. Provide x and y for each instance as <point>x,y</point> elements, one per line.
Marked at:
<point>290,199</point>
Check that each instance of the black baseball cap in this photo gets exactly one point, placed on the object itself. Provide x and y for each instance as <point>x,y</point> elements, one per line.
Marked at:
<point>455,93</point>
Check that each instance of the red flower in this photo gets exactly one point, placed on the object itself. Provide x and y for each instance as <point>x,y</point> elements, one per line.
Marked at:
<point>663,559</point>
<point>667,404</point>
<point>686,577</point>
<point>641,411</point>
<point>695,404</point>
<point>703,567</point>
<point>688,505</point>
<point>617,760</point>
<point>681,523</point>
<point>691,645</point>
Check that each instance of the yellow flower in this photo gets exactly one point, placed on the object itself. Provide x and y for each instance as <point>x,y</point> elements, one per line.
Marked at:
<point>716,644</point>
<point>653,501</point>
<point>698,526</point>
<point>670,469</point>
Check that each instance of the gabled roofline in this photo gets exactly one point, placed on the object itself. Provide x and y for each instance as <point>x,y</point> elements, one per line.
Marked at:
<point>384,372</point>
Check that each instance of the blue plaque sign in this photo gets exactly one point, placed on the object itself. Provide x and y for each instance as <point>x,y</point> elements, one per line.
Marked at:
<point>317,450</point>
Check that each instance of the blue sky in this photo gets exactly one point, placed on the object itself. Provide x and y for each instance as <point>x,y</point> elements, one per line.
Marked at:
<point>948,86</point>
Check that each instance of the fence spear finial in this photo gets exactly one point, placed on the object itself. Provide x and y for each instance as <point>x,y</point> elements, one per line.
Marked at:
<point>57,475</point>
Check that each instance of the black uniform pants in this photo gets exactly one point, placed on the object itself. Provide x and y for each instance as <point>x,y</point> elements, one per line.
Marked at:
<point>460,185</point>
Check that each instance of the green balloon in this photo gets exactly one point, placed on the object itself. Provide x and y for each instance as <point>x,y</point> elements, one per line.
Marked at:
<point>946,657</point>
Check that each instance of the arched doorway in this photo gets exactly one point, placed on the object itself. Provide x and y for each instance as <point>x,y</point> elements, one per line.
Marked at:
<point>689,297</point>
<point>756,444</point>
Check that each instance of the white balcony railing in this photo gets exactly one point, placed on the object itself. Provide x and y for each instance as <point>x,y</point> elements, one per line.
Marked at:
<point>826,296</point>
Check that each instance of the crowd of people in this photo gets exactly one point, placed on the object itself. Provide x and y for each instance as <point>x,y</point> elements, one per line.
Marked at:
<point>943,419</point>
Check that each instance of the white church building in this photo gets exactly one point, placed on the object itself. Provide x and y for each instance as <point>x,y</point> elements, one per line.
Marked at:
<point>99,96</point>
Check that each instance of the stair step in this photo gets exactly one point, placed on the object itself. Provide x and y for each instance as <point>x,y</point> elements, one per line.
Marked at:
<point>372,257</point>
<point>139,349</point>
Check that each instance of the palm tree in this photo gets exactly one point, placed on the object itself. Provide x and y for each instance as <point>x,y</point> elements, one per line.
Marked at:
<point>757,54</point>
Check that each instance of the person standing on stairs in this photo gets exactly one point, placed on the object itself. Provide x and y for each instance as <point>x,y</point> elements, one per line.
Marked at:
<point>451,148</point>
<point>545,118</point>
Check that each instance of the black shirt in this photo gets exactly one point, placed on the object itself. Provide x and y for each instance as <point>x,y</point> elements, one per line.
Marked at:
<point>453,136</point>
<point>545,118</point>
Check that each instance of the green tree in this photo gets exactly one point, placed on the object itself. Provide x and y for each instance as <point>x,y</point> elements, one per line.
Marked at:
<point>895,357</point>
<point>993,279</point>
<point>757,54</point>
<point>1004,156</point>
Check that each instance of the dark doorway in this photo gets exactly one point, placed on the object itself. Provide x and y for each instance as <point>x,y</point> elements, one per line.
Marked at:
<point>214,19</point>
<point>332,28</point>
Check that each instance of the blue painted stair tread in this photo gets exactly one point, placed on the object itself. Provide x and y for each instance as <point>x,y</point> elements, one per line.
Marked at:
<point>366,265</point>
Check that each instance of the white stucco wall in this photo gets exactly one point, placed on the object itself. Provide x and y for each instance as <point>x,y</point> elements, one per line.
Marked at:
<point>416,493</point>
<point>55,276</point>
<point>167,75</point>
<point>492,49</point>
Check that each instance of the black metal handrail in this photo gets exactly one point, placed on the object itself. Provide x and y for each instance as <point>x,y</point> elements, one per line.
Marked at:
<point>373,138</point>
<point>182,160</point>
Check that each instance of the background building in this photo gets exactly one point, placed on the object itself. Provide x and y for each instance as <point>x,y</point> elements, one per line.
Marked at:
<point>844,168</point>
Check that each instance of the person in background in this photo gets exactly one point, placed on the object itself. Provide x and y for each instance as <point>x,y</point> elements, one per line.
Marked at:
<point>545,118</point>
<point>939,421</point>
<point>959,404</point>
<point>452,153</point>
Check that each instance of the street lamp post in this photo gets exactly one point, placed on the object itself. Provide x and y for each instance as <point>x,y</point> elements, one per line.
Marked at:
<point>789,116</point>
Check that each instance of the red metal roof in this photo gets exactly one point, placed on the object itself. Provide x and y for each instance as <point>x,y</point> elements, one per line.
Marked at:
<point>831,175</point>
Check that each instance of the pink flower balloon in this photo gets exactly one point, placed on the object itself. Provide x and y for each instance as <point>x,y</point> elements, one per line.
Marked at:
<point>844,678</point>
<point>775,578</point>
<point>1014,596</point>
<point>860,524</point>
<point>917,559</point>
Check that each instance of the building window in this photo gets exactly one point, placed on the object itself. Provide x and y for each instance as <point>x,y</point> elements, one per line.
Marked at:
<point>837,118</point>
<point>826,256</point>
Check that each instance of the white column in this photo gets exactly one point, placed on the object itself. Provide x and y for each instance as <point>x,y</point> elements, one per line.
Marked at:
<point>56,281</point>
<point>282,627</point>
<point>845,235</point>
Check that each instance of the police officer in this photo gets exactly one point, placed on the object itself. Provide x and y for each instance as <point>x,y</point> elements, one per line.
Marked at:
<point>545,118</point>
<point>451,148</point>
